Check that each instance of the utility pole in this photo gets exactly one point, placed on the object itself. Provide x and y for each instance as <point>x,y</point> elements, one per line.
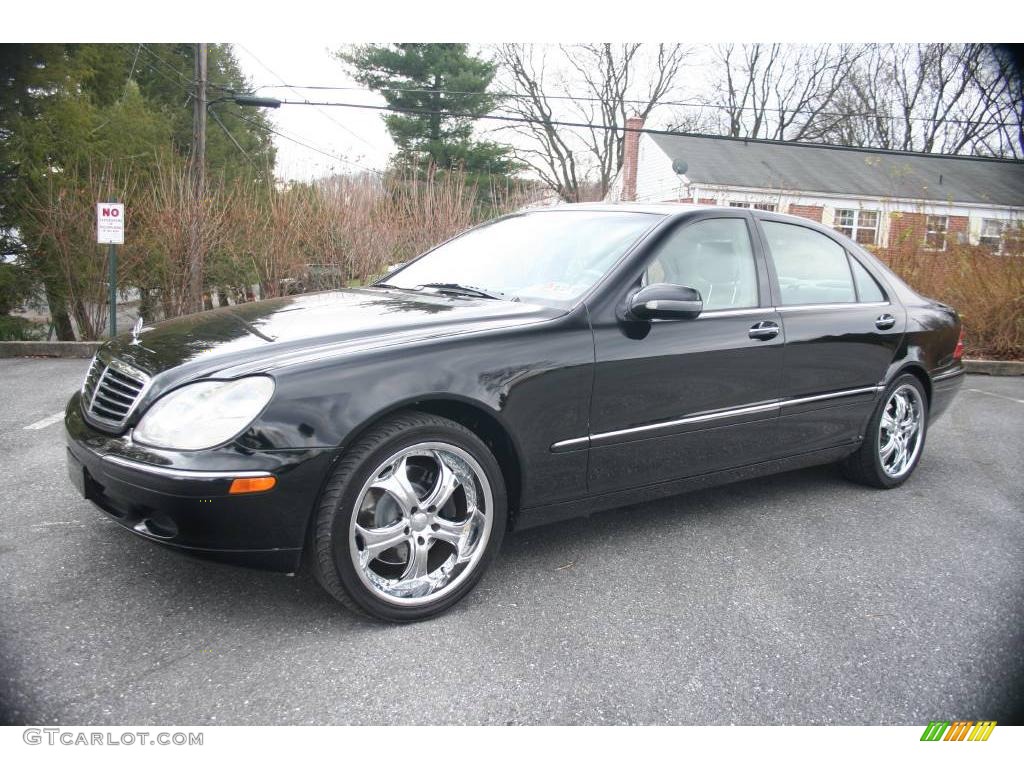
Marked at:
<point>195,261</point>
<point>112,283</point>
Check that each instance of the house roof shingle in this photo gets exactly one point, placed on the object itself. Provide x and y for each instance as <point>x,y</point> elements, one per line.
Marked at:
<point>796,167</point>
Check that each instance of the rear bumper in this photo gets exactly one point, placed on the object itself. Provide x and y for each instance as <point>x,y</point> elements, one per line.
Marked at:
<point>188,507</point>
<point>945,385</point>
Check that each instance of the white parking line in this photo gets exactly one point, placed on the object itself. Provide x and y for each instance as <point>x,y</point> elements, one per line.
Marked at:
<point>993,394</point>
<point>46,422</point>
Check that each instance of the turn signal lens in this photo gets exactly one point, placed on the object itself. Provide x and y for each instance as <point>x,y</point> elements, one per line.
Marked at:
<point>958,352</point>
<point>252,484</point>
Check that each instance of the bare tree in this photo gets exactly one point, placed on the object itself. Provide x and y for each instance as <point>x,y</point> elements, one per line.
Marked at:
<point>936,97</point>
<point>1006,103</point>
<point>780,91</point>
<point>606,84</point>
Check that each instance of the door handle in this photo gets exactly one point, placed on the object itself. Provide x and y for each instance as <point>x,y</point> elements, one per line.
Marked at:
<point>764,330</point>
<point>885,322</point>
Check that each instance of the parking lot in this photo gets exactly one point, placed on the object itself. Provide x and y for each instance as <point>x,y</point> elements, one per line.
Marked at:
<point>795,599</point>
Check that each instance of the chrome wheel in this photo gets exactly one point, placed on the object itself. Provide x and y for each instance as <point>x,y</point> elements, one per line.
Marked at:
<point>421,523</point>
<point>901,430</point>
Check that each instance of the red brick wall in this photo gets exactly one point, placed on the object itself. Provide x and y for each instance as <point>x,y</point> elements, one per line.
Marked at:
<point>907,232</point>
<point>812,212</point>
<point>707,201</point>
<point>629,157</point>
<point>906,253</point>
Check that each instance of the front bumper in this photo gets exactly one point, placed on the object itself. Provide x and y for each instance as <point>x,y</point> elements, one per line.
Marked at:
<point>181,500</point>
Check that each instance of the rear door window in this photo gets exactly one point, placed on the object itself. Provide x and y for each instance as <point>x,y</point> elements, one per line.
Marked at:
<point>867,287</point>
<point>811,268</point>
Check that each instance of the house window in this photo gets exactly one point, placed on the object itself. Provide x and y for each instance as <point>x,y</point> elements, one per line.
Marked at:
<point>860,226</point>
<point>935,230</point>
<point>756,206</point>
<point>992,234</point>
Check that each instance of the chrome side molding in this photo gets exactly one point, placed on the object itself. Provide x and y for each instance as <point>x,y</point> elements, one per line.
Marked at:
<point>770,406</point>
<point>949,374</point>
<point>846,305</point>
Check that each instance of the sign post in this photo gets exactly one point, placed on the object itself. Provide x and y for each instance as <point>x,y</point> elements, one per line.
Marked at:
<point>110,230</point>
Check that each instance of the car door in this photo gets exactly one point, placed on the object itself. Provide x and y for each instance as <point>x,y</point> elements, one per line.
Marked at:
<point>678,398</point>
<point>842,332</point>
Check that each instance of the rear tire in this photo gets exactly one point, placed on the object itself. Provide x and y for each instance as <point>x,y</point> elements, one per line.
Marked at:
<point>411,517</point>
<point>895,436</point>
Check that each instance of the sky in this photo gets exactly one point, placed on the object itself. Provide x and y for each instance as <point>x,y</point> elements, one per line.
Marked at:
<point>353,135</point>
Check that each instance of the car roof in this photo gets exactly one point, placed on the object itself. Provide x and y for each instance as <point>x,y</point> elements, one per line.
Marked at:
<point>675,210</point>
<point>662,209</point>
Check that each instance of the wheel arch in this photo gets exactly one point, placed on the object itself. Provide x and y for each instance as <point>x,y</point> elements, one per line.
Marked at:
<point>916,369</point>
<point>488,428</point>
<point>474,416</point>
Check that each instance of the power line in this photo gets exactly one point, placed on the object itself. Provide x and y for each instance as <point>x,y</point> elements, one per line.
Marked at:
<point>697,105</point>
<point>304,144</point>
<point>216,117</point>
<point>183,81</point>
<point>573,124</point>
<point>293,90</point>
<point>536,121</point>
<point>479,116</point>
<point>131,72</point>
<point>187,85</point>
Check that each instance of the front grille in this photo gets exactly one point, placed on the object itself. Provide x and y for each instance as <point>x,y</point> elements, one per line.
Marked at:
<point>111,390</point>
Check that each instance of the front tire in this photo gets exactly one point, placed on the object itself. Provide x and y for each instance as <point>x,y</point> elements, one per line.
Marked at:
<point>895,436</point>
<point>410,518</point>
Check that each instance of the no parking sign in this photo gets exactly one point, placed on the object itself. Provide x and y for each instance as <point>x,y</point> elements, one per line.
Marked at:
<point>110,223</point>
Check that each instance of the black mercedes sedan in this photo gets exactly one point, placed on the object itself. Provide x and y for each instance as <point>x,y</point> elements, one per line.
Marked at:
<point>548,364</point>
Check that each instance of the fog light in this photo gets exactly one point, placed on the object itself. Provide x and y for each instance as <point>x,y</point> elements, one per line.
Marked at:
<point>252,484</point>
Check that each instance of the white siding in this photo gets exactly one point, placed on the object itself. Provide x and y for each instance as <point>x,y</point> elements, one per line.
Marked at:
<point>655,180</point>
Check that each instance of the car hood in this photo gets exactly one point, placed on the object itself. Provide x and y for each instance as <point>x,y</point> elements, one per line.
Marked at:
<point>266,334</point>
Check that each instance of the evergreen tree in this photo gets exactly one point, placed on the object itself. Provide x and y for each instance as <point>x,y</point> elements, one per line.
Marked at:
<point>436,79</point>
<point>68,107</point>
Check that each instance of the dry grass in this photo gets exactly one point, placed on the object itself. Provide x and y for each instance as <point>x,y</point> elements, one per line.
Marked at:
<point>340,232</point>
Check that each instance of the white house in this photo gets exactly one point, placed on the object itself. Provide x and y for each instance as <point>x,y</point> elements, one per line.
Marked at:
<point>889,200</point>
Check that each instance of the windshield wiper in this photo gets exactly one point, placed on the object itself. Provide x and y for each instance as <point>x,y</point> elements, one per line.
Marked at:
<point>465,290</point>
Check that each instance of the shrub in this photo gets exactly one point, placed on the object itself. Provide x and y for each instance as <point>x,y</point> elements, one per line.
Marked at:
<point>986,289</point>
<point>328,234</point>
<point>13,328</point>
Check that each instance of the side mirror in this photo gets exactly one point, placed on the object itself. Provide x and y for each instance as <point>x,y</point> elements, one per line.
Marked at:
<point>665,301</point>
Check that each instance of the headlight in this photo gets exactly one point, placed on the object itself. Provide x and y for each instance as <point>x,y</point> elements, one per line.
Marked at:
<point>204,414</point>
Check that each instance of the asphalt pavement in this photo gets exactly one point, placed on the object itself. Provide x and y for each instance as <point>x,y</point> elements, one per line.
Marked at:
<point>800,598</point>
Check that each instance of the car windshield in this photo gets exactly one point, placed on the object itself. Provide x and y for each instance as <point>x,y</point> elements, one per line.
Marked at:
<point>547,256</point>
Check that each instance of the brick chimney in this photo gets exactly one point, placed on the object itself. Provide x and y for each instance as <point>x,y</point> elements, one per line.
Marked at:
<point>629,157</point>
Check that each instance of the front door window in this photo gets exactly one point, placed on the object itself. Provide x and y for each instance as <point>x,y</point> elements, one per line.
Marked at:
<point>715,257</point>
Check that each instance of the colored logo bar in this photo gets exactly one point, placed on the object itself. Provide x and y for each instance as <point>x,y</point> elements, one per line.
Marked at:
<point>959,730</point>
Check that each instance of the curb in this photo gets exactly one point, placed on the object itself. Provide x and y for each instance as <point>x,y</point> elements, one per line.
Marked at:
<point>995,367</point>
<point>65,349</point>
